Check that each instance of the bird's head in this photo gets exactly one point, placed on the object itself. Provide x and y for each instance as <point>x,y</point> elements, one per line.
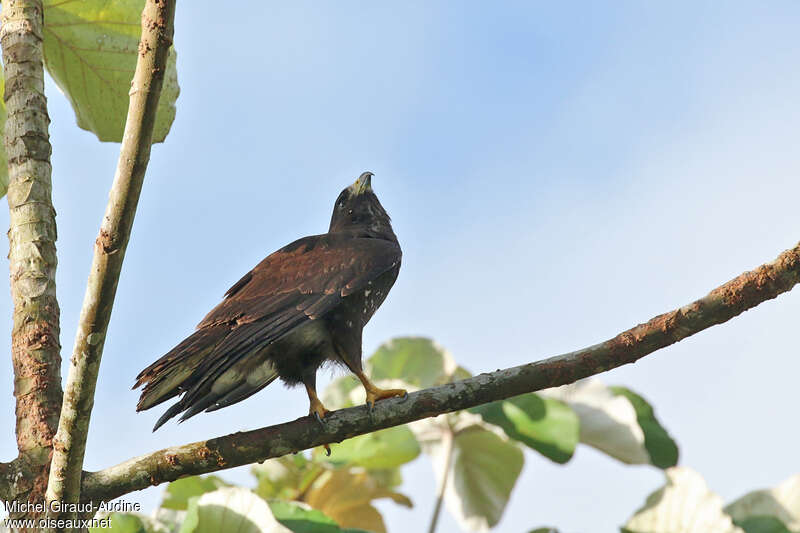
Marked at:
<point>358,209</point>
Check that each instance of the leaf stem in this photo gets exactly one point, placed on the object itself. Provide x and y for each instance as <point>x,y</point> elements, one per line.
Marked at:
<point>449,445</point>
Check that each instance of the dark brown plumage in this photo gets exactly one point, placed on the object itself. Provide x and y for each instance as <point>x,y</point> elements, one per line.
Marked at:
<point>303,305</point>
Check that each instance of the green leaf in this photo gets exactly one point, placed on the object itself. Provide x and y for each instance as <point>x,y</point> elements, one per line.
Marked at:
<point>230,509</point>
<point>762,524</point>
<point>683,505</point>
<point>3,157</point>
<point>90,50</point>
<point>752,512</point>
<point>408,362</point>
<point>180,491</point>
<point>415,360</point>
<point>130,523</point>
<point>338,394</point>
<point>388,448</point>
<point>121,523</point>
<point>547,425</point>
<point>285,477</point>
<point>389,478</point>
<point>610,422</point>
<point>662,449</point>
<point>483,469</point>
<point>302,519</point>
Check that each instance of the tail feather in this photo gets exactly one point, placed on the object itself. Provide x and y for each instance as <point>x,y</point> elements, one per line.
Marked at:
<point>243,391</point>
<point>207,378</point>
<point>239,381</point>
<point>174,372</point>
<point>172,411</point>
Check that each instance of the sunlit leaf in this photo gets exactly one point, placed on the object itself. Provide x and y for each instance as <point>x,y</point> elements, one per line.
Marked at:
<point>547,425</point>
<point>338,394</point>
<point>346,495</point>
<point>484,466</point>
<point>169,518</point>
<point>415,360</point>
<point>121,523</point>
<point>387,448</point>
<point>230,509</point>
<point>180,491</point>
<point>389,478</point>
<point>128,523</point>
<point>90,50</point>
<point>765,510</point>
<point>410,363</point>
<point>683,505</point>
<point>611,423</point>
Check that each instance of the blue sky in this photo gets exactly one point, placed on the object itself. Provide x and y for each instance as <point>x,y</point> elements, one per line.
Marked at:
<point>556,173</point>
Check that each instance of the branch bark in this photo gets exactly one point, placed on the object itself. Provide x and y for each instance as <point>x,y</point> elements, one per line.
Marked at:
<point>720,305</point>
<point>109,252</point>
<point>35,348</point>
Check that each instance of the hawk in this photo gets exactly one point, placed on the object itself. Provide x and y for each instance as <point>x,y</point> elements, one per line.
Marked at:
<point>302,306</point>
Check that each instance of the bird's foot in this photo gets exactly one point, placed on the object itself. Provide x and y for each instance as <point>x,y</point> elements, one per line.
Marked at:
<point>318,411</point>
<point>374,394</point>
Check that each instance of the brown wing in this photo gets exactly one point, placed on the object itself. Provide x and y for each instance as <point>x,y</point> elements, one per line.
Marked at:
<point>300,282</point>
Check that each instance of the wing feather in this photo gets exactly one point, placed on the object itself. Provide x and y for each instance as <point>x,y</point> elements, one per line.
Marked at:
<point>300,282</point>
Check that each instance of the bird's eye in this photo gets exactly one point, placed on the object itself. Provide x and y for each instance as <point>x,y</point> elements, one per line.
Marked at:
<point>350,212</point>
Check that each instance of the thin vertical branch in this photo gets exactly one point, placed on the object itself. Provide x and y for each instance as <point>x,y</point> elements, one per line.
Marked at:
<point>449,444</point>
<point>32,251</point>
<point>109,252</point>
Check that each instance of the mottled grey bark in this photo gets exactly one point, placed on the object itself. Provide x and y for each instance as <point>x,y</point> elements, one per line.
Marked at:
<point>722,304</point>
<point>109,252</point>
<point>32,251</point>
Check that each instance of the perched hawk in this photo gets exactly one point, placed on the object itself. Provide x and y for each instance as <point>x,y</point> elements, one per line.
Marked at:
<point>301,306</point>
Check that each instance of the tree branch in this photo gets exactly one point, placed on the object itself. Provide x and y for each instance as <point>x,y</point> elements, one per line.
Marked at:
<point>722,304</point>
<point>32,251</point>
<point>109,252</point>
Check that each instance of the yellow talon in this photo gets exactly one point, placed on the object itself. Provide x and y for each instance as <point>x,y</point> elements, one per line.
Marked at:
<point>317,410</point>
<point>374,393</point>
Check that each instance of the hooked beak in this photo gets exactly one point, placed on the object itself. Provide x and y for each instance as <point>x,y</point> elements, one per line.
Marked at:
<point>363,183</point>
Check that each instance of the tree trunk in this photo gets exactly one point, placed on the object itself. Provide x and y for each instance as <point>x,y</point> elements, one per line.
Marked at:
<point>32,251</point>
